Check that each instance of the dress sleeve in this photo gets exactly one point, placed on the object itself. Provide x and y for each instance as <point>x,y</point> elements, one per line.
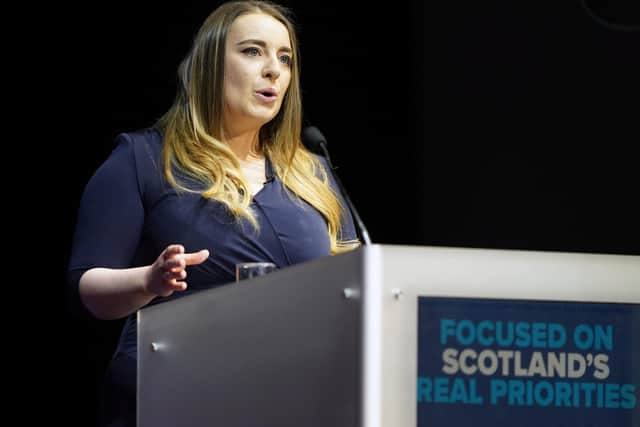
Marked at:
<point>110,216</point>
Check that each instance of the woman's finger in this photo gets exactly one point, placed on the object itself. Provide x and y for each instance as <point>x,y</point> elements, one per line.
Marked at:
<point>180,286</point>
<point>173,250</point>
<point>174,264</point>
<point>196,257</point>
<point>171,277</point>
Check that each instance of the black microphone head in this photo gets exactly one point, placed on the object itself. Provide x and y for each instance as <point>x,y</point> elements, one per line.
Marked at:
<point>313,140</point>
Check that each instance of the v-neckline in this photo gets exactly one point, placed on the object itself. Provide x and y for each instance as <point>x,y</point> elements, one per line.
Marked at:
<point>269,178</point>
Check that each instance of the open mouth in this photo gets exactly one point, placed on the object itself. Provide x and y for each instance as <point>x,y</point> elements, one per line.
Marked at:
<point>267,93</point>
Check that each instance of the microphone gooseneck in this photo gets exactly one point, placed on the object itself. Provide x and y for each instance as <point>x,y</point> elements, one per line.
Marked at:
<point>316,143</point>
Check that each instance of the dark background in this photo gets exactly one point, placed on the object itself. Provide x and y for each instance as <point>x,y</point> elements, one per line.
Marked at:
<point>498,125</point>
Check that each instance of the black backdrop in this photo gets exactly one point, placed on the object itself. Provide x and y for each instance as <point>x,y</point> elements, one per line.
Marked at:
<point>497,125</point>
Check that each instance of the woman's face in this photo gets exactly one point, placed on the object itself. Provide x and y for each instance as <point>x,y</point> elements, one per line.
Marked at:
<point>257,72</point>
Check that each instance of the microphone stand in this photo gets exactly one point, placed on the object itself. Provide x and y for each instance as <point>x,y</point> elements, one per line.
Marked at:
<point>360,225</point>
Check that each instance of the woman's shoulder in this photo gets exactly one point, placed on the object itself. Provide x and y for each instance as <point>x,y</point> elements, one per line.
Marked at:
<point>149,139</point>
<point>321,163</point>
<point>141,151</point>
<point>144,145</point>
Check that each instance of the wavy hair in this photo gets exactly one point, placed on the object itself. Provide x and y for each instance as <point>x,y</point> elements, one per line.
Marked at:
<point>192,129</point>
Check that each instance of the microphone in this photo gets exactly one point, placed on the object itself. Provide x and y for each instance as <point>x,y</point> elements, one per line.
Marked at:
<point>315,142</point>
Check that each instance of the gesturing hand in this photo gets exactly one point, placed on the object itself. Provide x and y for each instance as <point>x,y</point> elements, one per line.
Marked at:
<point>168,272</point>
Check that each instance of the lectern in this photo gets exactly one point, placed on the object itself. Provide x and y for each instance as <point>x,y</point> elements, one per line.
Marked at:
<point>401,336</point>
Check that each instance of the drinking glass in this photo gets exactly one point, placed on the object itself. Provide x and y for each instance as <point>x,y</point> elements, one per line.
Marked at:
<point>247,270</point>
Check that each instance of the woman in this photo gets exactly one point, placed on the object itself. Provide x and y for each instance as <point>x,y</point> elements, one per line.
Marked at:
<point>221,179</point>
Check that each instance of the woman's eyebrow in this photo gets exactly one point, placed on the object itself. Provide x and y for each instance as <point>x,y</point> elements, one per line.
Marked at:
<point>263,44</point>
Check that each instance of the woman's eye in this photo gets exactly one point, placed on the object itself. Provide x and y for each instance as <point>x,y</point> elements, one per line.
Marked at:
<point>285,59</point>
<point>251,51</point>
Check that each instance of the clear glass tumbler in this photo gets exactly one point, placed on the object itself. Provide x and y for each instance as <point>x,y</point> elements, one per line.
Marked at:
<point>247,270</point>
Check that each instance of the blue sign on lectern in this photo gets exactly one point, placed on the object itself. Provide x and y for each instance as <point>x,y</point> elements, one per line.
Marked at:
<point>489,362</point>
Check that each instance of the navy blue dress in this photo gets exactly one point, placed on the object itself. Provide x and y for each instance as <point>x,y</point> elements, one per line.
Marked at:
<point>129,214</point>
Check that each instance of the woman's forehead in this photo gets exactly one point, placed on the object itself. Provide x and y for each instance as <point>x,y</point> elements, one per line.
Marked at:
<point>259,27</point>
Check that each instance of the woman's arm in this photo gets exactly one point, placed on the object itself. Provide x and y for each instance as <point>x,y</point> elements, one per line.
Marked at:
<point>114,293</point>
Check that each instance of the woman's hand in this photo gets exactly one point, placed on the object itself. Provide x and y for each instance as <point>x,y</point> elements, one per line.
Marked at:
<point>168,272</point>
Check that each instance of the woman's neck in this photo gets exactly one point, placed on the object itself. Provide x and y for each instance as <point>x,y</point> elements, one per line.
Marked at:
<point>246,145</point>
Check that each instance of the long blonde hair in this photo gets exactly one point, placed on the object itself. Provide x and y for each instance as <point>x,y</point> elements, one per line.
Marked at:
<point>192,129</point>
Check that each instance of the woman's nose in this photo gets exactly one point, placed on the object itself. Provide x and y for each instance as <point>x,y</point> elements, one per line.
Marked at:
<point>272,67</point>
